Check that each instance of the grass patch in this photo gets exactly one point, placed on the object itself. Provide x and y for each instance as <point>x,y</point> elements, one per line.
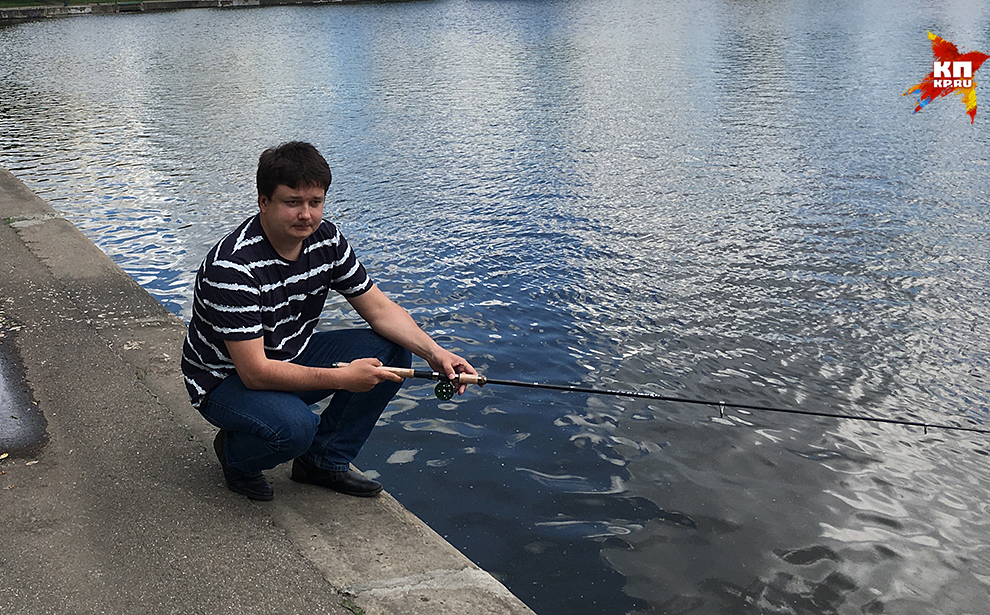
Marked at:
<point>353,608</point>
<point>14,4</point>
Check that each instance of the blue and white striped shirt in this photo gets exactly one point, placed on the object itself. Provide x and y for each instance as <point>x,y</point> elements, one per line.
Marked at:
<point>246,290</point>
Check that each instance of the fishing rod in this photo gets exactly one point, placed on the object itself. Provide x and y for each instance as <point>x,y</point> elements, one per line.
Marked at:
<point>445,388</point>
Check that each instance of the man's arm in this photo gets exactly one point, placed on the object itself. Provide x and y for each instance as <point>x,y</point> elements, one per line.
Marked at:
<point>394,323</point>
<point>259,372</point>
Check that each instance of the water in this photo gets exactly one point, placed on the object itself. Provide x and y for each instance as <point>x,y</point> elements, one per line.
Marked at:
<point>725,200</point>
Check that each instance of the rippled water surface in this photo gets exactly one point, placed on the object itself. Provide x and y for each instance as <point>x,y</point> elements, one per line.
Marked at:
<point>722,200</point>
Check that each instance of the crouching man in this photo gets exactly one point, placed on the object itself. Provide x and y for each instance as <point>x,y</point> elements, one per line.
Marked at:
<point>253,363</point>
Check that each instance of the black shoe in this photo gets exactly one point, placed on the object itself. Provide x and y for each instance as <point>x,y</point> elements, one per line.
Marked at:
<point>255,486</point>
<point>347,482</point>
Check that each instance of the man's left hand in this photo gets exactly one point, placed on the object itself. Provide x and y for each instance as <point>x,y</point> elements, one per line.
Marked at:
<point>450,364</point>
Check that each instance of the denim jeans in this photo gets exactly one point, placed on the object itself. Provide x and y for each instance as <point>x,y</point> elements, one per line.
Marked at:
<point>266,428</point>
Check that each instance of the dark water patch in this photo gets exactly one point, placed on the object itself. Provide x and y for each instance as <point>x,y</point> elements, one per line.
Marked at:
<point>617,508</point>
<point>886,552</point>
<point>881,520</point>
<point>785,593</point>
<point>555,558</point>
<point>808,555</point>
<point>22,425</point>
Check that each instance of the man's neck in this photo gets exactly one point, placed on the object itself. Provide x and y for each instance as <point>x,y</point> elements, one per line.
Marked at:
<point>290,251</point>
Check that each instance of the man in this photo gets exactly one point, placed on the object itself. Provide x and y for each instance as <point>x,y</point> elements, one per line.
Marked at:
<point>252,362</point>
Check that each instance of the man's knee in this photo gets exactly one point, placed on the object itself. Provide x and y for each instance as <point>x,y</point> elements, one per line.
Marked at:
<point>387,351</point>
<point>399,357</point>
<point>293,438</point>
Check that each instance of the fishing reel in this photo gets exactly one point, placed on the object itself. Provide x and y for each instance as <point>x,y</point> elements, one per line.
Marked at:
<point>444,390</point>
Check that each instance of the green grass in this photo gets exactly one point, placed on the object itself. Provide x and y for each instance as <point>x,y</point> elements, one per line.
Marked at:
<point>353,608</point>
<point>9,4</point>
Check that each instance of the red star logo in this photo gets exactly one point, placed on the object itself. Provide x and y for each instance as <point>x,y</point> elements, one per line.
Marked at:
<point>947,77</point>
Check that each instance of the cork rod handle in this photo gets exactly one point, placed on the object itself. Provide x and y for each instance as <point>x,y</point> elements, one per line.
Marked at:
<point>408,372</point>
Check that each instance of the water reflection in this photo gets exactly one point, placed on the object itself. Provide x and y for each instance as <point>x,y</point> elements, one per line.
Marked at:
<point>720,200</point>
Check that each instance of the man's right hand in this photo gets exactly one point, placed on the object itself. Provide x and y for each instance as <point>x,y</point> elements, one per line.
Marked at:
<point>364,374</point>
<point>258,372</point>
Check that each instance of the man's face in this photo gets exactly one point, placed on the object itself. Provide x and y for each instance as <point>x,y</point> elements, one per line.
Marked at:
<point>292,214</point>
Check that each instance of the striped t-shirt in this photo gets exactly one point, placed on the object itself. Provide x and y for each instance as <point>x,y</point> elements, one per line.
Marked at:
<point>245,290</point>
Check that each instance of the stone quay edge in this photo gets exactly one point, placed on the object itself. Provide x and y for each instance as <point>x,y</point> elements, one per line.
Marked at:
<point>123,509</point>
<point>30,13</point>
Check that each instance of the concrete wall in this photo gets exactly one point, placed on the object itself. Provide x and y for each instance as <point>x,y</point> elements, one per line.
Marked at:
<point>28,13</point>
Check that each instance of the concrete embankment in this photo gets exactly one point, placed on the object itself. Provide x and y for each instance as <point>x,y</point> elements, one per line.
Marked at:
<point>123,508</point>
<point>28,13</point>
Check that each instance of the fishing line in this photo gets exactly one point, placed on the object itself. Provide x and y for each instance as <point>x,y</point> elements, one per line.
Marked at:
<point>446,387</point>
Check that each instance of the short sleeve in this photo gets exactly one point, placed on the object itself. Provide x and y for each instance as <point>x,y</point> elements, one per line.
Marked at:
<point>230,300</point>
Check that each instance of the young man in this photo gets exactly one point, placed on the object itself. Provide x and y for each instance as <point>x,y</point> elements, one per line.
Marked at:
<point>252,362</point>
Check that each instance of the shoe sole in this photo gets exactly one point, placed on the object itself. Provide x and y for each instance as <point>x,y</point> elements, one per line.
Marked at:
<point>356,494</point>
<point>251,495</point>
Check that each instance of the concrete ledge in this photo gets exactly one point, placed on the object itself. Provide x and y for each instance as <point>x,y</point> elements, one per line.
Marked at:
<point>124,509</point>
<point>28,13</point>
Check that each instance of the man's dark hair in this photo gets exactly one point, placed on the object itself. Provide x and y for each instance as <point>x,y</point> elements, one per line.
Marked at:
<point>294,164</point>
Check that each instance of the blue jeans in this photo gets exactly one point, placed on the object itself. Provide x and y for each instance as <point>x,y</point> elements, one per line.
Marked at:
<point>266,428</point>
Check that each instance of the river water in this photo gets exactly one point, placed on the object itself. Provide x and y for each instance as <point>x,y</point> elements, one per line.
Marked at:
<point>725,200</point>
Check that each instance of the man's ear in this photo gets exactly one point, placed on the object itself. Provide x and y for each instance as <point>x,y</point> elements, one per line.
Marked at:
<point>263,202</point>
